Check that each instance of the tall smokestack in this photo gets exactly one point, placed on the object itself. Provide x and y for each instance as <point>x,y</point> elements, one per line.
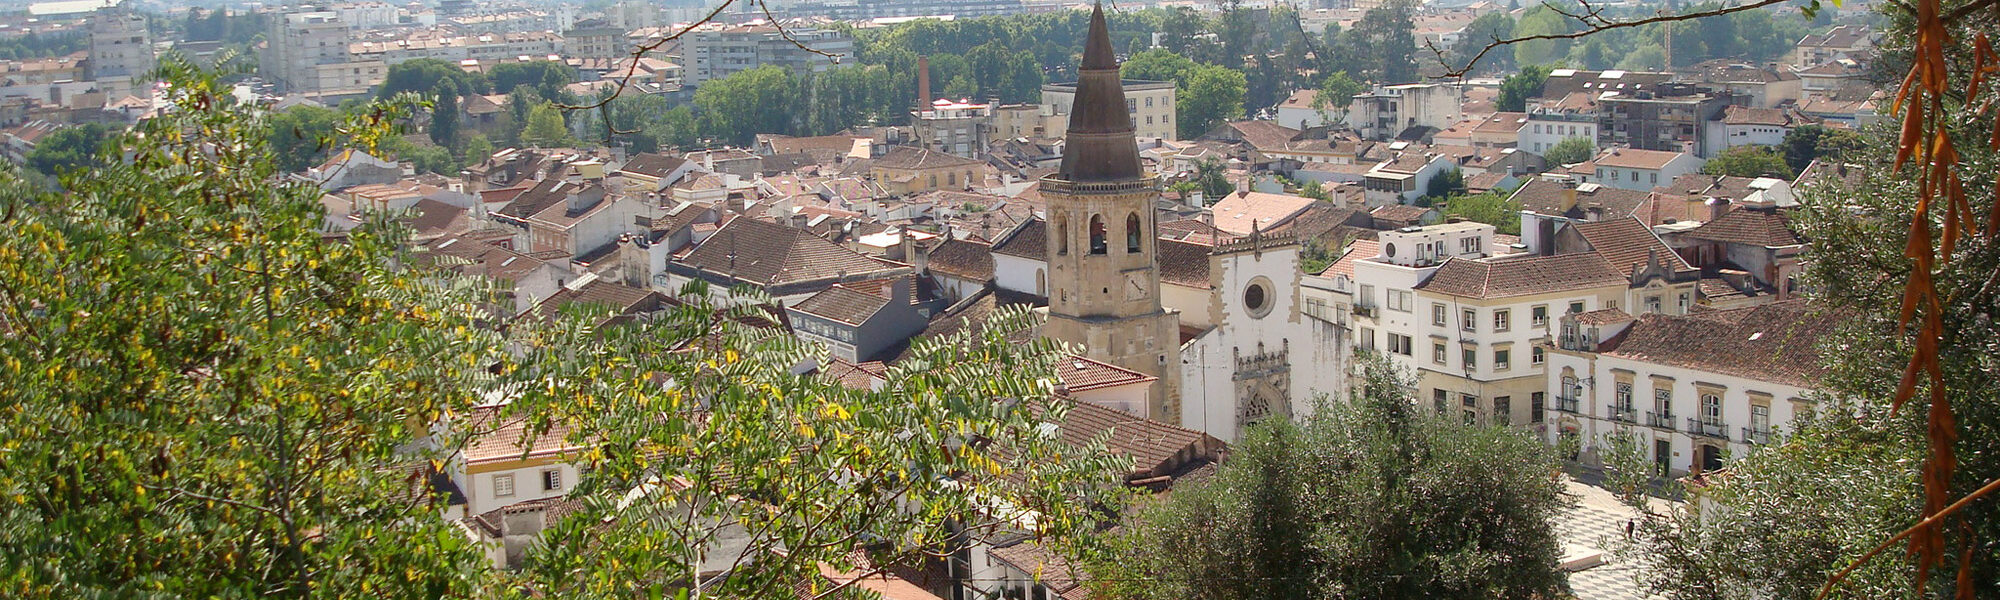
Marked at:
<point>923,82</point>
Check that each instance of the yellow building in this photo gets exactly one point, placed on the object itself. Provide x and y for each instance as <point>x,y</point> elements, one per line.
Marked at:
<point>906,170</point>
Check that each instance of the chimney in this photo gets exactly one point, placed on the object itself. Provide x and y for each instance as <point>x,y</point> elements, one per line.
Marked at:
<point>1569,197</point>
<point>923,82</point>
<point>1716,207</point>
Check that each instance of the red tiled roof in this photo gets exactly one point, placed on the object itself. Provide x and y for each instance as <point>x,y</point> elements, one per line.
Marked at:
<point>1754,227</point>
<point>1776,342</point>
<point>1500,278</point>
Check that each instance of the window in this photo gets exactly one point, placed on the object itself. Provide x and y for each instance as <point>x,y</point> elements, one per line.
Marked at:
<point>1132,235</point>
<point>1097,235</point>
<point>1501,359</point>
<point>1401,344</point>
<point>1471,417</point>
<point>1684,303</point>
<point>1501,320</point>
<point>1575,307</point>
<point>1469,245</point>
<point>1440,397</point>
<point>551,480</point>
<point>1368,339</point>
<point>1256,299</point>
<point>1470,356</point>
<point>1538,356</point>
<point>1760,418</point>
<point>1149,103</point>
<point>1062,236</point>
<point>1535,403</point>
<point>1663,402</point>
<point>1656,177</point>
<point>1367,297</point>
<point>1437,314</point>
<point>1652,304</point>
<point>1502,412</point>
<point>503,486</point>
<point>1539,315</point>
<point>1469,400</point>
<point>1399,300</point>
<point>1711,409</point>
<point>1469,319</point>
<point>1437,353</point>
<point>1621,401</point>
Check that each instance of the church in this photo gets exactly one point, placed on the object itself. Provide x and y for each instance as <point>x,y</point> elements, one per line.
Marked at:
<point>1215,318</point>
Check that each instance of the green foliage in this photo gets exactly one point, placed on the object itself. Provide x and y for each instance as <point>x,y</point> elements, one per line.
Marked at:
<point>477,148</point>
<point>1516,89</point>
<point>297,136</point>
<point>1210,96</point>
<point>1447,183</point>
<point>1541,20</point>
<point>1317,255</point>
<point>1312,189</point>
<point>229,425</point>
<point>423,75</point>
<point>1386,37</point>
<point>35,45</point>
<point>1492,208</point>
<point>544,127</point>
<point>246,423</point>
<point>1571,151</point>
<point>444,115</point>
<point>1336,93</point>
<point>1365,499</point>
<point>548,78</point>
<point>1486,29</point>
<point>420,153</point>
<point>69,148</point>
<point>1806,143</point>
<point>1749,161</point>
<point>1212,178</point>
<point>736,108</point>
<point>1156,65</point>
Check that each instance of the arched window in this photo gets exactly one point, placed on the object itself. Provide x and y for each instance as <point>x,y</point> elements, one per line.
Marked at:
<point>1062,235</point>
<point>1097,243</point>
<point>1132,236</point>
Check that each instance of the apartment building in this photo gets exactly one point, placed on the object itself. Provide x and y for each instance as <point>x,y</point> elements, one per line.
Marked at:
<point>121,50</point>
<point>1673,117</point>
<point>1389,110</point>
<point>1696,389</point>
<point>957,127</point>
<point>443,45</point>
<point>307,52</point>
<point>595,38</point>
<point>1151,104</point>
<point>715,50</point>
<point>1643,170</point>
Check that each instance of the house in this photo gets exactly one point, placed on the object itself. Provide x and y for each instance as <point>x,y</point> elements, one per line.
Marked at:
<point>1832,76</point>
<point>1502,130</point>
<point>1297,112</point>
<point>1658,279</point>
<point>1389,110</point>
<point>960,267</point>
<point>1642,170</point>
<point>786,263</point>
<point>522,280</point>
<point>1405,177</point>
<point>1243,212</point>
<point>352,167</point>
<point>649,172</point>
<point>859,321</point>
<point>906,170</point>
<point>1671,118</point>
<point>1254,139</point>
<point>1843,41</point>
<point>1550,121</point>
<point>1749,254</point>
<point>1698,389</point>
<point>1744,126</point>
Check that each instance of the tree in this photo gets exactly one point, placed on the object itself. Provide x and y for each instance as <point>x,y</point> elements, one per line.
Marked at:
<point>734,109</point>
<point>545,127</point>
<point>1446,183</point>
<point>1210,96</point>
<point>1806,143</point>
<point>1365,499</point>
<point>1157,64</point>
<point>296,136</point>
<point>1496,25</point>
<point>1749,161</point>
<point>260,420</point>
<point>1312,189</point>
<point>547,77</point>
<point>1571,151</point>
<point>1335,94</point>
<point>69,148</point>
<point>477,148</point>
<point>1213,178</point>
<point>1388,35</point>
<point>1647,57</point>
<point>1516,89</point>
<point>1492,208</point>
<point>423,75</point>
<point>444,115</point>
<point>1540,20</point>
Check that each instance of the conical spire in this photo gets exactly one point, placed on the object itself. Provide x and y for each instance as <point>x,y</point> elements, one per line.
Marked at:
<point>1100,144</point>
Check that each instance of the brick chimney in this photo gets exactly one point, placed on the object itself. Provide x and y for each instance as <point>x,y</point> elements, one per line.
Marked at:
<point>923,82</point>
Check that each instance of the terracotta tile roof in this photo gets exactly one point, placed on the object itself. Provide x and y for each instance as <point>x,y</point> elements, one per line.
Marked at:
<point>1082,374</point>
<point>1299,99</point>
<point>843,304</point>
<point>1238,212</point>
<point>1359,250</point>
<point>1030,241</point>
<point>1263,135</point>
<point>1776,342</point>
<point>1744,115</point>
<point>1503,122</point>
<point>854,376</point>
<point>1183,263</point>
<point>1399,213</point>
<point>437,218</point>
<point>964,259</point>
<point>1155,448</point>
<point>1628,158</point>
<point>1602,317</point>
<point>1505,277</point>
<point>1050,568</point>
<point>652,165</point>
<point>1627,244</point>
<point>620,298</point>
<point>1748,226</point>
<point>1546,198</point>
<point>905,157</point>
<point>471,254</point>
<point>764,253</point>
<point>497,438</point>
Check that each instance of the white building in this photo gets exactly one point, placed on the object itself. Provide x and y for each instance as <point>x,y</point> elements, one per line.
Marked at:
<point>1743,126</point>
<point>1551,122</point>
<point>1697,389</point>
<point>1643,169</point>
<point>1257,352</point>
<point>714,51</point>
<point>958,128</point>
<point>1404,178</point>
<point>1150,102</point>
<point>1389,110</point>
<point>121,50</point>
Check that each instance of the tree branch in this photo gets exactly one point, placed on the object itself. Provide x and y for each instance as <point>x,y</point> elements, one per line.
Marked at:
<point>1928,522</point>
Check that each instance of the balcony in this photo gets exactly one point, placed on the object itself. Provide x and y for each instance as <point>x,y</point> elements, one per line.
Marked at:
<point>1364,310</point>
<point>1660,421</point>
<point>1566,404</point>
<point>1624,415</point>
<point>1756,436</point>
<point>1707,428</point>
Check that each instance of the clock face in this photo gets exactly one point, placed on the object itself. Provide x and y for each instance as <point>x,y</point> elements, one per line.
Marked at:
<point>1135,287</point>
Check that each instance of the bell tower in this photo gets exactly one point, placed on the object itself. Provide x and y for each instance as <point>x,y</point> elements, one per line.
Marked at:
<point>1104,282</point>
